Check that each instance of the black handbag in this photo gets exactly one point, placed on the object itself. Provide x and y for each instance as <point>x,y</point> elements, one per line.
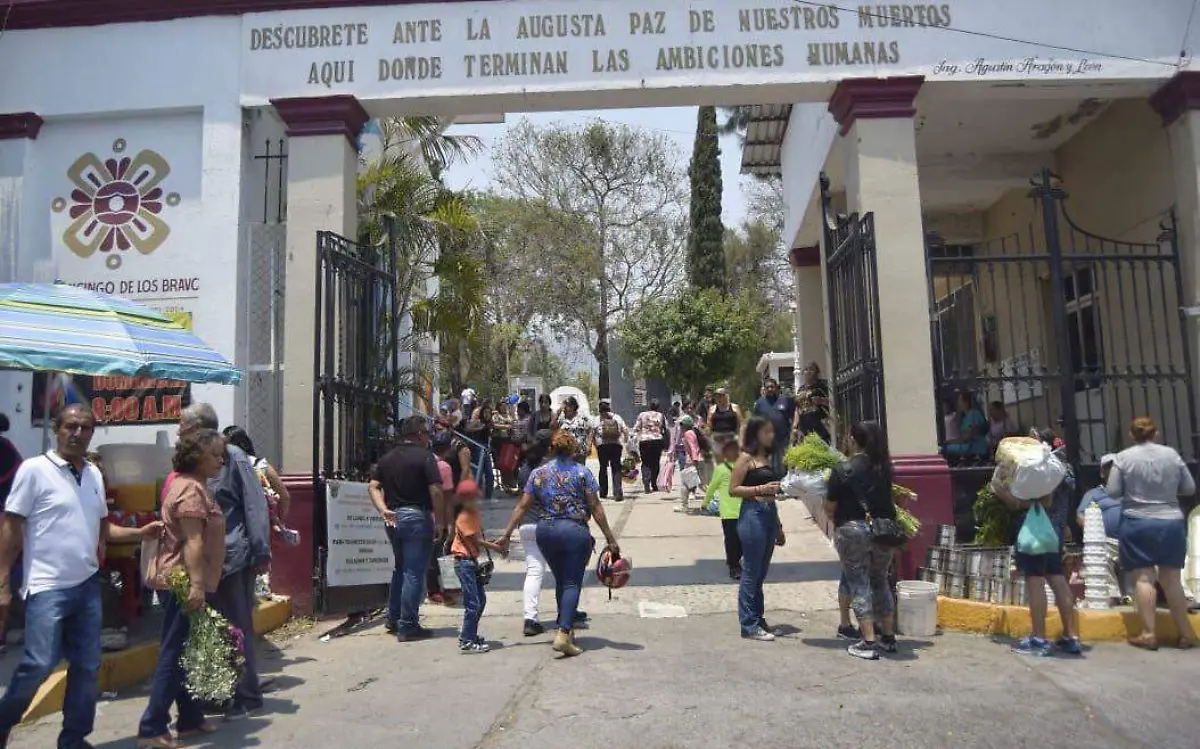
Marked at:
<point>884,531</point>
<point>483,570</point>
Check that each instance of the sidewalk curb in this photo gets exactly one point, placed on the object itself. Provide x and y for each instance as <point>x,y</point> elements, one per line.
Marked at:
<point>1111,625</point>
<point>136,664</point>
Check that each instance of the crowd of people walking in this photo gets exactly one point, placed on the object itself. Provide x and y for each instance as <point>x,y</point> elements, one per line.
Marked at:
<point>222,506</point>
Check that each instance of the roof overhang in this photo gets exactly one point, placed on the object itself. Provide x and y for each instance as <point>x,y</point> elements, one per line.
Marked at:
<point>763,146</point>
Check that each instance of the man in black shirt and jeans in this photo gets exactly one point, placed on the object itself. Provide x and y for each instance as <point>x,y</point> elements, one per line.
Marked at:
<point>407,491</point>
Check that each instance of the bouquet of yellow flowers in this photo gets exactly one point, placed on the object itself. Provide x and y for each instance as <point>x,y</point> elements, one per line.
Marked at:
<point>214,655</point>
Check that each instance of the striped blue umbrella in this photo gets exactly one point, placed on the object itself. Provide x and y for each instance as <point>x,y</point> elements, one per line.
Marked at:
<point>60,328</point>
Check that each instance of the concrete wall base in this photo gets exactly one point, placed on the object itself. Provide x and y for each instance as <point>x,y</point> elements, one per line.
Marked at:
<point>1111,625</point>
<point>137,664</point>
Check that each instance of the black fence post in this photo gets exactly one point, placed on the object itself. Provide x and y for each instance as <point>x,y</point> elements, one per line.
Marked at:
<point>1050,197</point>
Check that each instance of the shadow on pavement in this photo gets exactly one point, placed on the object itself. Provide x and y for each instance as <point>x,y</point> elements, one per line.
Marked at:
<point>698,572</point>
<point>907,650</point>
<point>591,642</point>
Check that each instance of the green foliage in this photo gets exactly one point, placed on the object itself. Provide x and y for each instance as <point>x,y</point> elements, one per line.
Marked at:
<point>586,382</point>
<point>993,519</point>
<point>690,340</point>
<point>401,201</point>
<point>812,454</point>
<point>705,250</point>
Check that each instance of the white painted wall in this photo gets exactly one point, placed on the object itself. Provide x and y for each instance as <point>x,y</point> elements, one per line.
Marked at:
<point>163,86</point>
<point>810,135</point>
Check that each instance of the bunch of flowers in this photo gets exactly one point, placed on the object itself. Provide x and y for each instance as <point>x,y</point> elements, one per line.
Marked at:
<point>214,655</point>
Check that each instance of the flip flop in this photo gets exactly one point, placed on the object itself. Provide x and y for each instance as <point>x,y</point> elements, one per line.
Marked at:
<point>1145,643</point>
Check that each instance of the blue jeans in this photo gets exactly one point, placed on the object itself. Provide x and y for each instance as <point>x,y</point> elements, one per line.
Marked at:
<point>412,545</point>
<point>474,598</point>
<point>59,624</point>
<point>167,686</point>
<point>566,545</point>
<point>758,527</point>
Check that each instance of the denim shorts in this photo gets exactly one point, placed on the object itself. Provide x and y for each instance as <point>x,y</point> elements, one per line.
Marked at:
<point>1153,542</point>
<point>1039,565</point>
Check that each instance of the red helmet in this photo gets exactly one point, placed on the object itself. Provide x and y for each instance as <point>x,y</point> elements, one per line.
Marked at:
<point>613,571</point>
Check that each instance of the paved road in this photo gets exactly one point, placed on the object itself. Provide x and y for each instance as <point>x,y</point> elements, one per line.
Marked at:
<point>675,683</point>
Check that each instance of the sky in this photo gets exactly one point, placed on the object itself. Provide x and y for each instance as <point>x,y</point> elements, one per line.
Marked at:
<point>676,123</point>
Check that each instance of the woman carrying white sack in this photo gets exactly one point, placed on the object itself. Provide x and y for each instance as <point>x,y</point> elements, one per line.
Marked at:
<point>1031,478</point>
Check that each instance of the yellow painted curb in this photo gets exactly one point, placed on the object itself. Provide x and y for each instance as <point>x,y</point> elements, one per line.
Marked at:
<point>136,664</point>
<point>1113,625</point>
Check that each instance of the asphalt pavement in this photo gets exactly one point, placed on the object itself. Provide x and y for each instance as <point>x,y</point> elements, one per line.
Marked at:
<point>664,668</point>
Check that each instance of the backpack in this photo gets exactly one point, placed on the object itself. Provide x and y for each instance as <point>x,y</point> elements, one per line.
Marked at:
<point>610,430</point>
<point>702,441</point>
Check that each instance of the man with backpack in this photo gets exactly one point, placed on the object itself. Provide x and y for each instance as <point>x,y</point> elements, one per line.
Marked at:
<point>611,434</point>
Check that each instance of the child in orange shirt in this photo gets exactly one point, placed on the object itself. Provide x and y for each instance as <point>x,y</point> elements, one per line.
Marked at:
<point>468,539</point>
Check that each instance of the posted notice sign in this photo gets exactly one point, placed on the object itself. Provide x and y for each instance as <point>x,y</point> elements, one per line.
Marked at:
<point>359,550</point>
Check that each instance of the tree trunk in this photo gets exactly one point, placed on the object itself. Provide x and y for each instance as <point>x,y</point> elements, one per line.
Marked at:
<point>602,360</point>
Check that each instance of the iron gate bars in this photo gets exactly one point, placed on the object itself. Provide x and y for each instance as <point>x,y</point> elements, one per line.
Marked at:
<point>857,381</point>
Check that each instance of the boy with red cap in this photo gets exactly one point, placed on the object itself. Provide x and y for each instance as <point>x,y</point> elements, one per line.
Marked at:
<point>468,539</point>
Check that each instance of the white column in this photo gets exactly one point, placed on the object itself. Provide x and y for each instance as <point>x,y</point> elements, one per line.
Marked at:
<point>810,307</point>
<point>1178,103</point>
<point>876,118</point>
<point>322,167</point>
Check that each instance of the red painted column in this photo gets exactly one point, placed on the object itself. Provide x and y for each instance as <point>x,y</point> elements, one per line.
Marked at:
<point>292,567</point>
<point>929,477</point>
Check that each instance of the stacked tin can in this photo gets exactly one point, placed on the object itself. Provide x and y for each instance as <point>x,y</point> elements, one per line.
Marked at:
<point>974,573</point>
<point>1096,576</point>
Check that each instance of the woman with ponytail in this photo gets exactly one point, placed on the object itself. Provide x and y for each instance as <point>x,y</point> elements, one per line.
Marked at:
<point>858,488</point>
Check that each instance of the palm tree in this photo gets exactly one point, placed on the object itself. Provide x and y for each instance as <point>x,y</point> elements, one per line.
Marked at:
<point>437,149</point>
<point>403,204</point>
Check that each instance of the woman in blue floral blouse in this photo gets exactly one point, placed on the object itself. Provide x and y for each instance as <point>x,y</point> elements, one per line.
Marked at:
<point>564,494</point>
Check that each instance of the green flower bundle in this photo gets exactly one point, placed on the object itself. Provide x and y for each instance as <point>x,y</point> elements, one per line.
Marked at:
<point>812,455</point>
<point>214,655</point>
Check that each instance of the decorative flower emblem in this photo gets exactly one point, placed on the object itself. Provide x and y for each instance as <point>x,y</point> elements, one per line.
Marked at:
<point>115,204</point>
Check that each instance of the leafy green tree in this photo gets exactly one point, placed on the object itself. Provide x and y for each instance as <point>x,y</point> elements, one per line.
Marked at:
<point>705,254</point>
<point>611,231</point>
<point>692,339</point>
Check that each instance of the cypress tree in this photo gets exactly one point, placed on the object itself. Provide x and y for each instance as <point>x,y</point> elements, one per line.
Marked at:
<point>706,234</point>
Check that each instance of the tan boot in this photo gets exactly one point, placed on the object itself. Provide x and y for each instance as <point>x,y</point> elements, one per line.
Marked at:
<point>564,642</point>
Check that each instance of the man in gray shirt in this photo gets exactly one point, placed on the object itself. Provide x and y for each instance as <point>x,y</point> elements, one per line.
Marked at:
<point>239,492</point>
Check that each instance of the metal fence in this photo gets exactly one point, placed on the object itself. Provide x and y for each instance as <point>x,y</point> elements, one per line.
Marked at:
<point>852,280</point>
<point>356,371</point>
<point>1054,326</point>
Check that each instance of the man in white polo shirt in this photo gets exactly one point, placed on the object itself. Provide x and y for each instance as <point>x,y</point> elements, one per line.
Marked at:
<point>56,518</point>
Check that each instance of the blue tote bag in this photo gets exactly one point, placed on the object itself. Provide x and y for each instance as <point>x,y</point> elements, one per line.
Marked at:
<point>1037,534</point>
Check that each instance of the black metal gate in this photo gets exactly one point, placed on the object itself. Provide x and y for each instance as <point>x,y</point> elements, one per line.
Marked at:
<point>1053,326</point>
<point>852,284</point>
<point>358,383</point>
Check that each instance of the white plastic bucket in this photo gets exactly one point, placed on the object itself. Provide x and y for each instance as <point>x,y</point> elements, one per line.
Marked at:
<point>916,608</point>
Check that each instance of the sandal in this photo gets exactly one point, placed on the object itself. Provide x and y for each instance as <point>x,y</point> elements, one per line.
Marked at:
<point>157,742</point>
<point>1186,643</point>
<point>203,729</point>
<point>1145,642</point>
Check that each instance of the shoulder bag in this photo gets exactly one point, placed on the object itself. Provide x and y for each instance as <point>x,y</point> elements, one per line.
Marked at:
<point>884,531</point>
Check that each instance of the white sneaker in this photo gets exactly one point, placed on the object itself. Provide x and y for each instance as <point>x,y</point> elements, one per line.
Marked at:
<point>760,634</point>
<point>863,649</point>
